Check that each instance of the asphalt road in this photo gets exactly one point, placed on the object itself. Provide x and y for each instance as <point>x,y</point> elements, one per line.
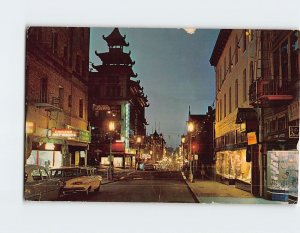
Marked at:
<point>141,186</point>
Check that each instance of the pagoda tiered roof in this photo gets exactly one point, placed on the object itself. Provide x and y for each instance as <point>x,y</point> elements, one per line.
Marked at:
<point>115,69</point>
<point>115,56</point>
<point>138,91</point>
<point>115,39</point>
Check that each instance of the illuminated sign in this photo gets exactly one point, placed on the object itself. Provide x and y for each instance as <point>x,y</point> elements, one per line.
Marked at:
<point>243,127</point>
<point>101,107</point>
<point>29,127</point>
<point>64,133</point>
<point>252,140</point>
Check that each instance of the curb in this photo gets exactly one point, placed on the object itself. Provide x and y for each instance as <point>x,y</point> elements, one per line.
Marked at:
<point>189,188</point>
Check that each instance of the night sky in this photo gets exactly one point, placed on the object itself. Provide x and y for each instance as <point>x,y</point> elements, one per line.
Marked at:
<point>174,69</point>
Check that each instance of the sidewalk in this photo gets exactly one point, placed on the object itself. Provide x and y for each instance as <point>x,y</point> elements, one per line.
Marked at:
<point>207,191</point>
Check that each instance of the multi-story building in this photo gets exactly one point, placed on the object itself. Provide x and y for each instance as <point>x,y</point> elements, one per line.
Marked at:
<point>275,95</point>
<point>236,161</point>
<point>56,96</point>
<point>155,147</point>
<point>115,97</point>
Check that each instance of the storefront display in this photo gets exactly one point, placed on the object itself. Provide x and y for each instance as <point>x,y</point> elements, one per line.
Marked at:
<point>282,173</point>
<point>48,159</point>
<point>233,165</point>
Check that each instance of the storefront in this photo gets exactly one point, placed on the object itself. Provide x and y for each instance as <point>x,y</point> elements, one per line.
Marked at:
<point>231,166</point>
<point>57,147</point>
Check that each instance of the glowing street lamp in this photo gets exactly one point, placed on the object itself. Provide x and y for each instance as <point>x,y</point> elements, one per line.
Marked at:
<point>182,144</point>
<point>111,128</point>
<point>190,128</point>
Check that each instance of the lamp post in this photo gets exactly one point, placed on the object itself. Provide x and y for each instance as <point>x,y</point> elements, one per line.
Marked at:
<point>111,128</point>
<point>190,128</point>
<point>182,144</point>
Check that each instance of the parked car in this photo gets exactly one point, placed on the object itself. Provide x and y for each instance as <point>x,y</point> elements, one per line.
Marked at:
<point>78,179</point>
<point>38,186</point>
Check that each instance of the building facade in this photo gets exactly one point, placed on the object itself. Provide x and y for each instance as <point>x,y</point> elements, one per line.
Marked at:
<point>275,95</point>
<point>56,96</point>
<point>236,161</point>
<point>115,97</point>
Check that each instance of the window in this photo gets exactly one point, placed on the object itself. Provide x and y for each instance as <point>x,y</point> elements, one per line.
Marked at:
<point>251,72</point>
<point>225,68</point>
<point>70,101</point>
<point>230,60</point>
<point>54,42</point>
<point>224,105</point>
<point>43,90</point>
<point>77,65</point>
<point>61,97</point>
<point>81,108</point>
<point>244,40</point>
<point>284,61</point>
<point>236,51</point>
<point>244,85</point>
<point>230,109</point>
<point>282,123</point>
<point>294,55</point>
<point>236,94</point>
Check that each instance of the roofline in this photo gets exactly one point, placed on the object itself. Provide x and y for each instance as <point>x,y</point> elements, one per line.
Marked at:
<point>219,46</point>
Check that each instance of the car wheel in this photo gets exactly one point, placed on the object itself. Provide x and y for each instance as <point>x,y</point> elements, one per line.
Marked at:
<point>88,191</point>
<point>98,188</point>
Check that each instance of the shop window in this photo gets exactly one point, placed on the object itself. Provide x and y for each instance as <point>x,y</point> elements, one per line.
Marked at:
<point>294,55</point>
<point>81,108</point>
<point>244,85</point>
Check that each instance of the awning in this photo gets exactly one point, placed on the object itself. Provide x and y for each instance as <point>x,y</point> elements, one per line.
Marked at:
<point>245,114</point>
<point>75,143</point>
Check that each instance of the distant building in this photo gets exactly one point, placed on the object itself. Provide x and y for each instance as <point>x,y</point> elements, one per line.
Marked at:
<point>155,147</point>
<point>114,96</point>
<point>56,96</point>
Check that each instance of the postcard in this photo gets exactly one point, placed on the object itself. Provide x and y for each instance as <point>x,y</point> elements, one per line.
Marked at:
<point>163,115</point>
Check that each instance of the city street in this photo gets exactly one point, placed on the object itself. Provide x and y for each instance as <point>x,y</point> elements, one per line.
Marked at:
<point>141,186</point>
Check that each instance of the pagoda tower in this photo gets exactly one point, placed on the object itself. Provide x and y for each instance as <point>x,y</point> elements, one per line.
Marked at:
<point>114,96</point>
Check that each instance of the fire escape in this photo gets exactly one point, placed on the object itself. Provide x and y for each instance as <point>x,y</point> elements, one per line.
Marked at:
<point>267,90</point>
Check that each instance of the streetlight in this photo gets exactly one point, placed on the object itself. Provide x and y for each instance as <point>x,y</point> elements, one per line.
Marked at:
<point>111,128</point>
<point>182,143</point>
<point>190,128</point>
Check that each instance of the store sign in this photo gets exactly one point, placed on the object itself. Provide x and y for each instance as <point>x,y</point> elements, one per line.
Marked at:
<point>195,157</point>
<point>293,131</point>
<point>84,136</point>
<point>64,133</point>
<point>101,107</point>
<point>252,140</point>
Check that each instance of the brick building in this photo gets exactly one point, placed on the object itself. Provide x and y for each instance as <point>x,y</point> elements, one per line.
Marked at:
<point>56,96</point>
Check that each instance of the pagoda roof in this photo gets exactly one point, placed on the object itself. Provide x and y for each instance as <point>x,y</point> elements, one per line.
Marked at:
<point>115,56</point>
<point>115,38</point>
<point>112,69</point>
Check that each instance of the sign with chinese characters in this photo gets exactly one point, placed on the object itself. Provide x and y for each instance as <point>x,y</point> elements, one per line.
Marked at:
<point>252,140</point>
<point>293,131</point>
<point>64,133</point>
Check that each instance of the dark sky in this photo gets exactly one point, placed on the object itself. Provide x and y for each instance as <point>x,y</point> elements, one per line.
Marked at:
<point>174,70</point>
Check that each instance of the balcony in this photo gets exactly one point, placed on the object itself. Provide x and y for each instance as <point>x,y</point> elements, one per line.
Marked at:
<point>268,93</point>
<point>49,103</point>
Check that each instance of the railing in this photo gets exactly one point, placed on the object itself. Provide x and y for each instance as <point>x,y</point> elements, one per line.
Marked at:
<point>48,101</point>
<point>261,87</point>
